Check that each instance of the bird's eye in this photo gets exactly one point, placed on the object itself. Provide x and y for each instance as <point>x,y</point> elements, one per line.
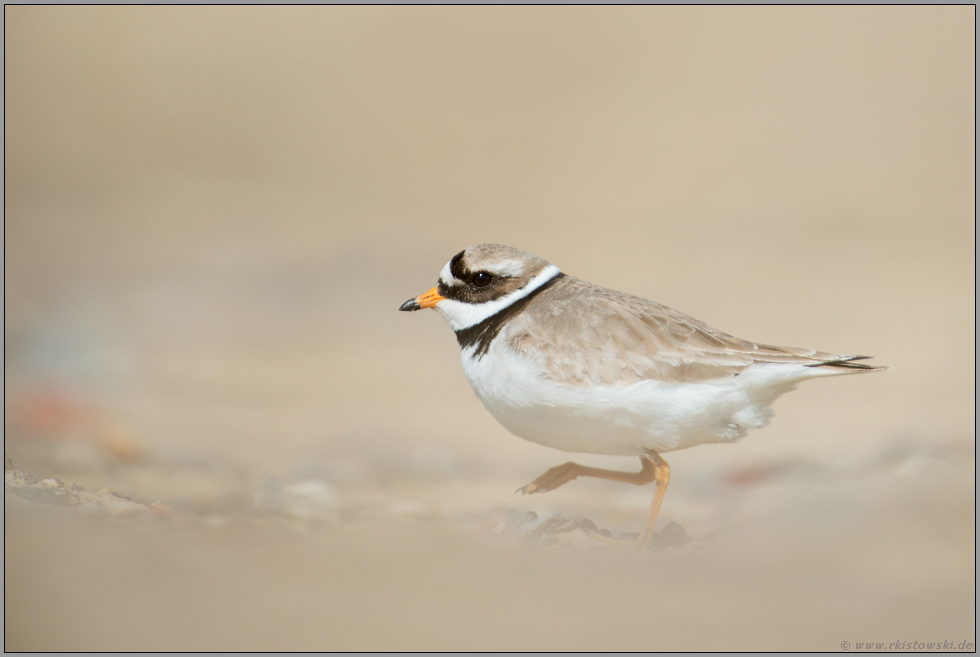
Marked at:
<point>481,279</point>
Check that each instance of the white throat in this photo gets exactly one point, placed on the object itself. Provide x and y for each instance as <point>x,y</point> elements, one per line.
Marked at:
<point>461,315</point>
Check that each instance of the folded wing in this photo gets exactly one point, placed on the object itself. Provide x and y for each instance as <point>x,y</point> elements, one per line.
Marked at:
<point>587,335</point>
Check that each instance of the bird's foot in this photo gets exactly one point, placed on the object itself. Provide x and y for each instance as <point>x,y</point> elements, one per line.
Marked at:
<point>552,479</point>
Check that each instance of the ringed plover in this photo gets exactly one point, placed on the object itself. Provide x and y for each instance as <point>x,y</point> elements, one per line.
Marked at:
<point>568,364</point>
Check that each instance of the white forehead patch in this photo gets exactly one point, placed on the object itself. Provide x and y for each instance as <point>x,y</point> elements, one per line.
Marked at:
<point>446,276</point>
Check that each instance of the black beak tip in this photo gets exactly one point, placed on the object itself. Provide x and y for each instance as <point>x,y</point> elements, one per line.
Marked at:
<point>410,305</point>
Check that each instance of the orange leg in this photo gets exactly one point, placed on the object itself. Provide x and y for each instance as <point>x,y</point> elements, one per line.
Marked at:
<point>661,475</point>
<point>653,468</point>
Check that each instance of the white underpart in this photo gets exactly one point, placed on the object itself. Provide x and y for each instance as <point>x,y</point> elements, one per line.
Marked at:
<point>625,420</point>
<point>462,315</point>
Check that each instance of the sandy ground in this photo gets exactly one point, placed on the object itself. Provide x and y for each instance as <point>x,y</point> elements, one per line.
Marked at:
<point>222,436</point>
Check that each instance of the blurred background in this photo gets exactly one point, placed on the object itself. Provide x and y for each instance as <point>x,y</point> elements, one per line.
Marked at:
<point>211,218</point>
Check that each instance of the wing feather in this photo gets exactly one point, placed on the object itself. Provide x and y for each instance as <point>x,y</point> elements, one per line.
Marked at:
<point>585,335</point>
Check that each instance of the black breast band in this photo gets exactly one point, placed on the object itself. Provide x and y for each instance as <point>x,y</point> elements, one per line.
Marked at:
<point>482,334</point>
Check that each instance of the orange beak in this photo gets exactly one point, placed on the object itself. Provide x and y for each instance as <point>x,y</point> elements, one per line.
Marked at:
<point>427,300</point>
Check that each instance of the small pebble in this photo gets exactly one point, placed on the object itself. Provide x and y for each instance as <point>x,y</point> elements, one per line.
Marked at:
<point>309,499</point>
<point>513,521</point>
<point>672,535</point>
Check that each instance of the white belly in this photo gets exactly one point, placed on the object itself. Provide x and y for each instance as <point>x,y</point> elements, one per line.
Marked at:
<point>624,420</point>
